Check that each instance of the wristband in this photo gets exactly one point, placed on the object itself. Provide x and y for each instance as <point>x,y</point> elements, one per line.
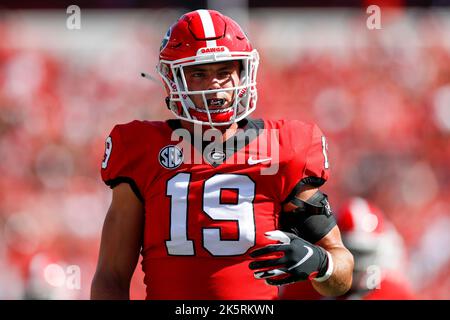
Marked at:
<point>329,270</point>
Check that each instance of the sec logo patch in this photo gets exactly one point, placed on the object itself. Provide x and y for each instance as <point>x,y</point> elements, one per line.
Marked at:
<point>170,157</point>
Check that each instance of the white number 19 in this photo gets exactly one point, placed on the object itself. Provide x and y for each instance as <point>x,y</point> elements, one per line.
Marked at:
<point>241,211</point>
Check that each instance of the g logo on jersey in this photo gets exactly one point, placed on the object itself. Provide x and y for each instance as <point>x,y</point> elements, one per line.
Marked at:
<point>215,156</point>
<point>170,157</point>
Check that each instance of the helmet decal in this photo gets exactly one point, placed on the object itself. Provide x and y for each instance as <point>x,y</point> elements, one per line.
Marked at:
<point>166,39</point>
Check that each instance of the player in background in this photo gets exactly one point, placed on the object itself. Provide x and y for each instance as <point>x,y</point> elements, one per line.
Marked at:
<point>379,254</point>
<point>206,216</point>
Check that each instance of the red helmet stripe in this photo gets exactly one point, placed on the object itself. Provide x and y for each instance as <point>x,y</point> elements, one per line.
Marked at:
<point>208,27</point>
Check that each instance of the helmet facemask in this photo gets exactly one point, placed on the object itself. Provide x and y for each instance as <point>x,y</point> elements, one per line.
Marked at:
<point>244,93</point>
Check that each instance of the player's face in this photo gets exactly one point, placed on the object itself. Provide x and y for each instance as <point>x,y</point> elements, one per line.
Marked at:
<point>213,76</point>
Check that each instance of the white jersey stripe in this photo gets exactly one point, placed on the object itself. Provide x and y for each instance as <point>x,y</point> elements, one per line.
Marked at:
<point>208,27</point>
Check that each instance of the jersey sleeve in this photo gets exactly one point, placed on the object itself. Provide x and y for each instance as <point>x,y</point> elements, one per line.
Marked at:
<point>316,170</point>
<point>309,162</point>
<point>118,165</point>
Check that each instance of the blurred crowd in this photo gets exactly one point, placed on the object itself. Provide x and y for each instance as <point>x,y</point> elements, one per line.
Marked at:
<point>383,104</point>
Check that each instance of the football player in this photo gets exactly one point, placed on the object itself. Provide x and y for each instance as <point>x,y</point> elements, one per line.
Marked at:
<point>209,226</point>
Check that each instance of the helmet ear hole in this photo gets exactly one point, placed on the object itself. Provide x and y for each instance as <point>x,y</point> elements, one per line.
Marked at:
<point>165,69</point>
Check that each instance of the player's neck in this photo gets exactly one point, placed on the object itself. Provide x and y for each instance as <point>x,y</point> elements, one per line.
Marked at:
<point>227,131</point>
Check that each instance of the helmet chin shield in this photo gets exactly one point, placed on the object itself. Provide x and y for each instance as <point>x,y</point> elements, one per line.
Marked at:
<point>244,93</point>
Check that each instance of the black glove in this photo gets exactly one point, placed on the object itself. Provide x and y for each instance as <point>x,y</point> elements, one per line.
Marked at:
<point>301,260</point>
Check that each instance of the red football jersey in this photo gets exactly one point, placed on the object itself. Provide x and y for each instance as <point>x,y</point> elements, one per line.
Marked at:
<point>207,208</point>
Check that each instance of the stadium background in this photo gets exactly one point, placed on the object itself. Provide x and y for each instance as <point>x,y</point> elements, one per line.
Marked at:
<point>381,96</point>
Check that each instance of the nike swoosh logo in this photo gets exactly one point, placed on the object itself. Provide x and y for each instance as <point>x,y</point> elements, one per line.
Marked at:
<point>252,161</point>
<point>306,257</point>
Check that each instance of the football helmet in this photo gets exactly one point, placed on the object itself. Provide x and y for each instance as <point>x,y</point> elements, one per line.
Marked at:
<point>201,37</point>
<point>371,238</point>
<point>361,224</point>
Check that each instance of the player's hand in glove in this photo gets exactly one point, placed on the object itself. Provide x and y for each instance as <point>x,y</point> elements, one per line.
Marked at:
<point>301,260</point>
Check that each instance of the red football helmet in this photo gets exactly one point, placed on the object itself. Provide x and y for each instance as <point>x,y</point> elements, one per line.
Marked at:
<point>361,224</point>
<point>200,37</point>
<point>373,240</point>
<point>362,227</point>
